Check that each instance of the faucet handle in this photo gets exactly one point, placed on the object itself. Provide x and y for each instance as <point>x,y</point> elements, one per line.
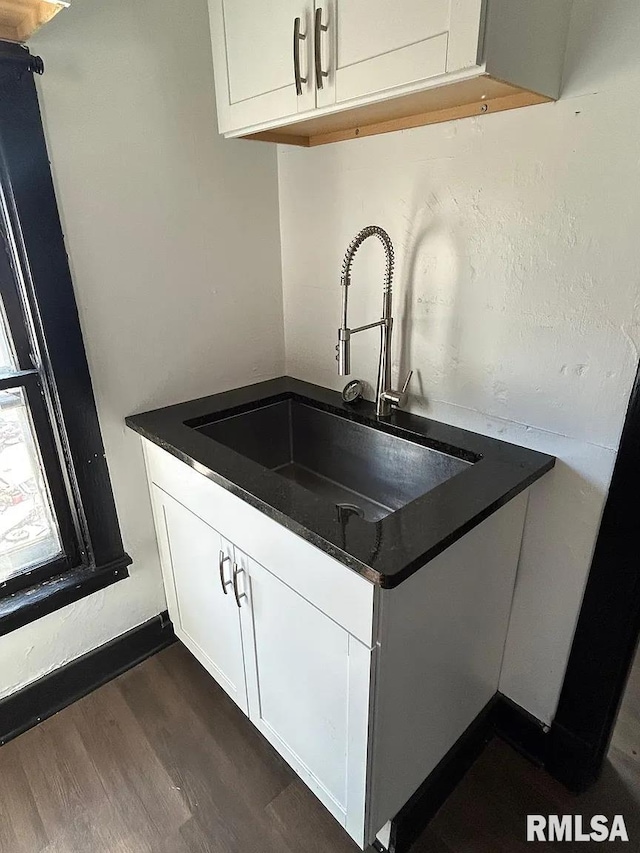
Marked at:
<point>406,382</point>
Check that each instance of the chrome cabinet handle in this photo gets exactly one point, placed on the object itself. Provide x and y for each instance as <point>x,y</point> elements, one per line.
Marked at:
<point>222,558</point>
<point>320,28</point>
<point>297,38</point>
<point>239,595</point>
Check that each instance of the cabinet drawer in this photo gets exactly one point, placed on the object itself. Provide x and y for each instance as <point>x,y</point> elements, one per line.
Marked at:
<point>333,588</point>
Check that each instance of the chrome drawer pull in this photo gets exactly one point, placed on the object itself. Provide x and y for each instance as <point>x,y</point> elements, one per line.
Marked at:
<point>320,28</point>
<point>222,558</point>
<point>239,595</point>
<point>297,38</point>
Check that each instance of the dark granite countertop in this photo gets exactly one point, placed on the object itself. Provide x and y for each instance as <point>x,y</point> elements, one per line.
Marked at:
<point>388,551</point>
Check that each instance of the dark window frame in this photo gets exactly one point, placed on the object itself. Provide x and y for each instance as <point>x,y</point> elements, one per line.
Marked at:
<point>43,320</point>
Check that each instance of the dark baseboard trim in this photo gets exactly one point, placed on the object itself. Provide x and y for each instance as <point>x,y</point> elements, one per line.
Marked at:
<point>50,694</point>
<point>571,760</point>
<point>500,717</point>
<point>521,729</point>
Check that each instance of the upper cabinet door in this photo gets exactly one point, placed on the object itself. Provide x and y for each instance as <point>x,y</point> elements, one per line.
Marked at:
<point>198,568</point>
<point>381,45</point>
<point>259,50</point>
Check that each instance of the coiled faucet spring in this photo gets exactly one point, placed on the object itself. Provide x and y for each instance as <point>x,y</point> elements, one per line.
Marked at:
<point>386,397</point>
<point>354,245</point>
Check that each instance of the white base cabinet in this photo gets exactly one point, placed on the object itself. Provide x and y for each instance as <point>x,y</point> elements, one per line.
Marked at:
<point>361,690</point>
<point>301,677</point>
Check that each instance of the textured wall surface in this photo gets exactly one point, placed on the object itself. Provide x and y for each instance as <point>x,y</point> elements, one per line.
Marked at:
<point>516,296</point>
<point>173,240</point>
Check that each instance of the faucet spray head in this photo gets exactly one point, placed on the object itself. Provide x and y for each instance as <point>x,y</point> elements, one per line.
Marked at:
<point>344,352</point>
<point>344,333</point>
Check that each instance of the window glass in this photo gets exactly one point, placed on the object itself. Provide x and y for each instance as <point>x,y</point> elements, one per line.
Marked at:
<point>7,358</point>
<point>28,531</point>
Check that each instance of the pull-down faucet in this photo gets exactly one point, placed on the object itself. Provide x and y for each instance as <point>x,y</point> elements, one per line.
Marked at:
<point>386,397</point>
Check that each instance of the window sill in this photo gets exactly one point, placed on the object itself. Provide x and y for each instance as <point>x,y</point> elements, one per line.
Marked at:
<point>30,604</point>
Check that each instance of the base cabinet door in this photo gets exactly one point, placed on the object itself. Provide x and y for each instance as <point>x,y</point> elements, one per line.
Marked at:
<point>308,688</point>
<point>198,566</point>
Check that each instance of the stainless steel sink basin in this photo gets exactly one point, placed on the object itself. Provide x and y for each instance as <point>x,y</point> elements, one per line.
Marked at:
<point>361,469</point>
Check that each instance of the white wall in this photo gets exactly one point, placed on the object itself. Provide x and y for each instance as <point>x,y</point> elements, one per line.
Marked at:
<point>516,294</point>
<point>518,269</point>
<point>174,246</point>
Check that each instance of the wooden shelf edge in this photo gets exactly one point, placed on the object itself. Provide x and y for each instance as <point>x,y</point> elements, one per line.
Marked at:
<point>20,19</point>
<point>519,98</point>
<point>509,102</point>
<point>278,136</point>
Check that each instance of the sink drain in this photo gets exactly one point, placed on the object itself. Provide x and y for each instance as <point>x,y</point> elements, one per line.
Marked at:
<point>346,510</point>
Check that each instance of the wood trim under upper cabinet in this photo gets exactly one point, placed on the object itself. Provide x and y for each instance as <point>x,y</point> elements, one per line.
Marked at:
<point>278,136</point>
<point>465,98</point>
<point>19,19</point>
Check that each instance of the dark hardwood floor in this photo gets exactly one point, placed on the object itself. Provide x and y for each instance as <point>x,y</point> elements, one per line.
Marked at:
<point>161,761</point>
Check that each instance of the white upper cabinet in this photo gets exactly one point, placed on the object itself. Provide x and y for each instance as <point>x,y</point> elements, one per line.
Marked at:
<point>312,71</point>
<point>263,53</point>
